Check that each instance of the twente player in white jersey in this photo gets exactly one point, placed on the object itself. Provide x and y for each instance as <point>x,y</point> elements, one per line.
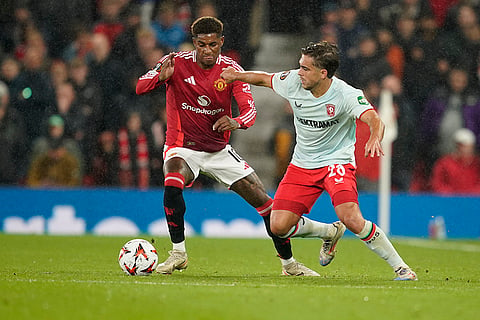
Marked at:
<point>325,109</point>
<point>199,122</point>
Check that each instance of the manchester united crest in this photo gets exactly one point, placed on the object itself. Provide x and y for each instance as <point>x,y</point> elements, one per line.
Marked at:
<point>330,109</point>
<point>220,84</point>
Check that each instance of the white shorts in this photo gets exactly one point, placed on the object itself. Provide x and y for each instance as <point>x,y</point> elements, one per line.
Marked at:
<point>225,166</point>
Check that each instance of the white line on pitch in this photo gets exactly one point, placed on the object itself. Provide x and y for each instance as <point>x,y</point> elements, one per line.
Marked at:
<point>232,284</point>
<point>441,245</point>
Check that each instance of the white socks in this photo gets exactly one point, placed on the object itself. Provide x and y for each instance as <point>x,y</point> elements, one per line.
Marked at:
<point>306,228</point>
<point>287,261</point>
<point>179,246</point>
<point>377,241</point>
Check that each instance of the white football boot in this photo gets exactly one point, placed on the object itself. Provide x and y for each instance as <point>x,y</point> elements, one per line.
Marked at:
<point>405,273</point>
<point>178,260</point>
<point>327,252</point>
<point>296,268</point>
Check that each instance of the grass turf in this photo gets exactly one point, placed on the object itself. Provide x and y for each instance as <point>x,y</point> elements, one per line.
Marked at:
<point>57,277</point>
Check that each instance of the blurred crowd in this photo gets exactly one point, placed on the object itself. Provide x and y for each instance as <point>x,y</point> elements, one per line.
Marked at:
<point>69,115</point>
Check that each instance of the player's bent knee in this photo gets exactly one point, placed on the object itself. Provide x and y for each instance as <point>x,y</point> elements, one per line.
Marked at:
<point>350,215</point>
<point>281,231</point>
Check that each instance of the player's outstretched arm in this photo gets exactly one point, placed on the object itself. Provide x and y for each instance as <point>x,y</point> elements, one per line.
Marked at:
<point>373,146</point>
<point>257,78</point>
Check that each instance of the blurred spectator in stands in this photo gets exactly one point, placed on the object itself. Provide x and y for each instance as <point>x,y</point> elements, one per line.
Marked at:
<point>89,99</point>
<point>446,111</point>
<point>184,13</point>
<point>450,22</point>
<point>110,23</point>
<point>424,67</point>
<point>392,52</point>
<point>58,20</point>
<point>109,74</point>
<point>32,38</point>
<point>55,159</point>
<point>9,69</point>
<point>151,58</point>
<point>329,22</point>
<point>169,32</point>
<point>461,46</point>
<point>391,12</point>
<point>328,30</point>
<point>80,46</point>
<point>369,62</point>
<point>56,168</point>
<point>55,134</point>
<point>440,9</point>
<point>133,153</point>
<point>367,11</point>
<point>34,91</point>
<point>328,33</point>
<point>66,106</point>
<point>429,34</point>
<point>145,44</point>
<point>283,142</point>
<point>104,169</point>
<point>147,7</point>
<point>458,172</point>
<point>419,76</point>
<point>16,33</point>
<point>402,149</point>
<point>9,73</point>
<point>58,72</point>
<point>406,34</point>
<point>451,109</point>
<point>12,141</point>
<point>157,131</point>
<point>205,8</point>
<point>349,33</point>
<point>126,42</point>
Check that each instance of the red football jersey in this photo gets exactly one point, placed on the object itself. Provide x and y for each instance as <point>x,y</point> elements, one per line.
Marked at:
<point>197,98</point>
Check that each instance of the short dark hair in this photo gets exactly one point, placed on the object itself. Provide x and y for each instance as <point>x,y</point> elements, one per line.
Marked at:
<point>325,56</point>
<point>207,25</point>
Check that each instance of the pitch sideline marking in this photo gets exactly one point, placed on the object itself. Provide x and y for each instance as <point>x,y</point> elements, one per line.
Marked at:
<point>442,245</point>
<point>199,284</point>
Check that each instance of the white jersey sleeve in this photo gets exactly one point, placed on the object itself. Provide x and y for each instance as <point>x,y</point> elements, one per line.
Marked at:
<point>285,81</point>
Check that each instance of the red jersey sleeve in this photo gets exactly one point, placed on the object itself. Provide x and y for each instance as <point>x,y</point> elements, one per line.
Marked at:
<point>246,105</point>
<point>149,81</point>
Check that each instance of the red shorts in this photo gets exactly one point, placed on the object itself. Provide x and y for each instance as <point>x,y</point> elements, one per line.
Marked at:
<point>300,188</point>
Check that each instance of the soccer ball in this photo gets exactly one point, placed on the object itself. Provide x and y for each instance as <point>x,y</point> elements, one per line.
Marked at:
<point>138,257</point>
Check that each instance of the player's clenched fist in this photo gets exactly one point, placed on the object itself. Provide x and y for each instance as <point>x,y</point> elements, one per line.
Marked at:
<point>225,123</point>
<point>228,74</point>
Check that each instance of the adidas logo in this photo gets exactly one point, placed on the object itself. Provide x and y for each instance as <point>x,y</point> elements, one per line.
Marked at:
<point>190,80</point>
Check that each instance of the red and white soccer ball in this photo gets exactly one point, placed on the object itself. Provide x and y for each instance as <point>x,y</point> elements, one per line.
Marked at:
<point>138,257</point>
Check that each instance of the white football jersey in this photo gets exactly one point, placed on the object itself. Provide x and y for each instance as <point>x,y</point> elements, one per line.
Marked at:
<point>325,126</point>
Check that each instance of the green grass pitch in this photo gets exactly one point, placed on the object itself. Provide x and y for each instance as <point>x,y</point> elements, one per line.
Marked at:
<point>63,277</point>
